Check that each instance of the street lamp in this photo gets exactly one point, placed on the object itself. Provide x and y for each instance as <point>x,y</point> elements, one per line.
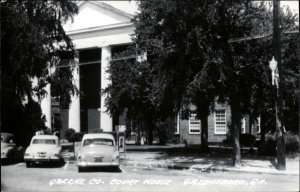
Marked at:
<point>279,128</point>
<point>274,69</point>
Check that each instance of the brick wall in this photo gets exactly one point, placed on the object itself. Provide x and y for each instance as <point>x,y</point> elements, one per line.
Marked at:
<point>170,130</point>
<point>217,138</point>
<point>191,139</point>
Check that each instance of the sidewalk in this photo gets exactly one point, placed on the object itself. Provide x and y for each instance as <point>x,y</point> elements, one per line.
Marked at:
<point>208,163</point>
<point>177,156</point>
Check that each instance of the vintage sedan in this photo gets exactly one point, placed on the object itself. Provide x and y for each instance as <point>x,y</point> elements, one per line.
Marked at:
<point>97,150</point>
<point>9,151</point>
<point>43,148</point>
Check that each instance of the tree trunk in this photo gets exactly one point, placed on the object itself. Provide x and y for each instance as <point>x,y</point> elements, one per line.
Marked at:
<point>262,128</point>
<point>138,132</point>
<point>281,163</point>
<point>204,134</point>
<point>236,126</point>
<point>149,125</point>
<point>250,124</point>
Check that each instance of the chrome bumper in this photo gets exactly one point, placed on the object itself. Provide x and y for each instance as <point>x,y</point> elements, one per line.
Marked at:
<point>42,159</point>
<point>96,164</point>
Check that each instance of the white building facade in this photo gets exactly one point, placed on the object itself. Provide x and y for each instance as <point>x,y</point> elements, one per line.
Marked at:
<point>97,31</point>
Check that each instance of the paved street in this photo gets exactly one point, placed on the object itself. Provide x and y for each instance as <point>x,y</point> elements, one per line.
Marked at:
<point>17,177</point>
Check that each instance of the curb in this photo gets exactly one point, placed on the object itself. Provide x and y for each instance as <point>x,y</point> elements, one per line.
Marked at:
<point>205,170</point>
<point>188,167</point>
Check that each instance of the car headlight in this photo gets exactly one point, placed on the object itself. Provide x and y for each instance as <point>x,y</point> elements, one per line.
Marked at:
<point>27,154</point>
<point>80,158</point>
<point>115,158</point>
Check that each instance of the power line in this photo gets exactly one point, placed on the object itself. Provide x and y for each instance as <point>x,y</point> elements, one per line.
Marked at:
<point>236,40</point>
<point>257,37</point>
<point>86,63</point>
<point>97,62</point>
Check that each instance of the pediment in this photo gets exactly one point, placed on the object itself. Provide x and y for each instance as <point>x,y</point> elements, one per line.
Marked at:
<point>93,14</point>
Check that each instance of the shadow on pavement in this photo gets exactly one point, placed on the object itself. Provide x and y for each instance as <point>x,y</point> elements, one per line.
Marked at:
<point>10,162</point>
<point>102,169</point>
<point>47,165</point>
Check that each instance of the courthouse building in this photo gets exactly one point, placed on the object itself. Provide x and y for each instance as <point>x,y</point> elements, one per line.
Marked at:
<point>98,31</point>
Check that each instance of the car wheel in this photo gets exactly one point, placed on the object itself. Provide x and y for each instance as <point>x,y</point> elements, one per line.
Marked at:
<point>28,164</point>
<point>117,169</point>
<point>9,157</point>
<point>80,169</point>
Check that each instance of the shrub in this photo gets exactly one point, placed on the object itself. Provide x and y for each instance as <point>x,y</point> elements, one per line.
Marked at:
<point>69,134</point>
<point>245,140</point>
<point>176,141</point>
<point>269,147</point>
<point>163,138</point>
<point>78,136</point>
<point>47,131</point>
<point>292,142</point>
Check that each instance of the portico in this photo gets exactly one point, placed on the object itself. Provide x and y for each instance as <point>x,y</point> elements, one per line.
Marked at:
<point>96,31</point>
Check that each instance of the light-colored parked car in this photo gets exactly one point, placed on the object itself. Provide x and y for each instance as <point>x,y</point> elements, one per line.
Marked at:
<point>9,150</point>
<point>97,150</point>
<point>43,148</point>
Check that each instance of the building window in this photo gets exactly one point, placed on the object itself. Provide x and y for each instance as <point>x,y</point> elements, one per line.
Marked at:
<point>176,124</point>
<point>258,125</point>
<point>220,122</point>
<point>243,127</point>
<point>194,124</point>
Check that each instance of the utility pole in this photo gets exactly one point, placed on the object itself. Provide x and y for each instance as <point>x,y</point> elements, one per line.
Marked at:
<point>279,106</point>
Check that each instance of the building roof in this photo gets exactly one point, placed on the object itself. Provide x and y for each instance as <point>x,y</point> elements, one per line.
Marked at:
<point>108,7</point>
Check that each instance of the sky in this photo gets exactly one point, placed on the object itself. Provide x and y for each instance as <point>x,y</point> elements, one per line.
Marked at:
<point>131,6</point>
<point>294,5</point>
<point>126,6</point>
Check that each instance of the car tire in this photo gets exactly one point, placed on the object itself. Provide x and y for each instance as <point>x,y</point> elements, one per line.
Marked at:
<point>117,169</point>
<point>80,169</point>
<point>9,157</point>
<point>28,164</point>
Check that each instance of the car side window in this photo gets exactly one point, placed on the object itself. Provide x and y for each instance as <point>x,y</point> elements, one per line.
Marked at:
<point>101,141</point>
<point>50,141</point>
<point>37,141</point>
<point>87,142</point>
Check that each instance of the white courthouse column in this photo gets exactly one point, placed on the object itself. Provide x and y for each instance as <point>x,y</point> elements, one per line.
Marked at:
<point>46,106</point>
<point>74,111</point>
<point>46,102</point>
<point>106,123</point>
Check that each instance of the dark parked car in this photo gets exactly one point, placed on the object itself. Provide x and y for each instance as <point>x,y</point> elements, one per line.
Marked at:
<point>9,151</point>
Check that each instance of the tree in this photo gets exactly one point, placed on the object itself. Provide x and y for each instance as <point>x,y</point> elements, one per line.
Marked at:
<point>193,57</point>
<point>32,42</point>
<point>130,90</point>
<point>191,39</point>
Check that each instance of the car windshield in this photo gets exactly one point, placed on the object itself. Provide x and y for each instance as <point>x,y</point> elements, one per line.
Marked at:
<point>9,139</point>
<point>44,141</point>
<point>98,141</point>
